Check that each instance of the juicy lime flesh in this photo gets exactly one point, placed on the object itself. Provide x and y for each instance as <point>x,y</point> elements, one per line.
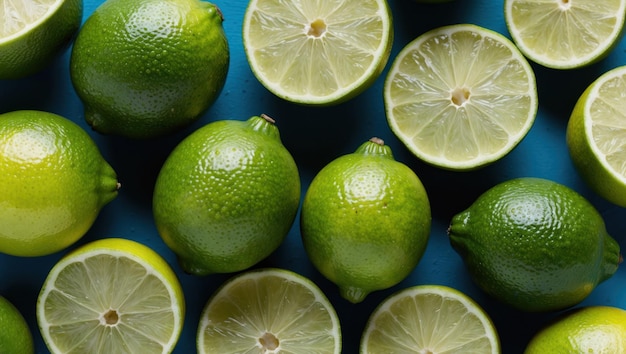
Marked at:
<point>318,52</point>
<point>534,244</point>
<point>59,182</point>
<point>108,302</point>
<point>365,221</point>
<point>460,96</point>
<point>18,15</point>
<point>565,33</point>
<point>269,311</point>
<point>429,319</point>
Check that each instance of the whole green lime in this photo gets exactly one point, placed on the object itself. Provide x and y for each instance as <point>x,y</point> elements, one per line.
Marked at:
<point>15,335</point>
<point>54,182</point>
<point>227,196</point>
<point>146,68</point>
<point>591,329</point>
<point>365,220</point>
<point>32,34</point>
<point>534,244</point>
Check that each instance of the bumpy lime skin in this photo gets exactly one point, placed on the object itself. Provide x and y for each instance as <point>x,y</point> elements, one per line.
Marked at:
<point>140,75</point>
<point>227,196</point>
<point>534,244</point>
<point>15,335</point>
<point>365,221</point>
<point>21,57</point>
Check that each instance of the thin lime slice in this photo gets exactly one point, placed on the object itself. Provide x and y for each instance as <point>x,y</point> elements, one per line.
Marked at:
<point>33,32</point>
<point>317,53</point>
<point>565,34</point>
<point>429,319</point>
<point>460,97</point>
<point>111,296</point>
<point>596,135</point>
<point>269,311</point>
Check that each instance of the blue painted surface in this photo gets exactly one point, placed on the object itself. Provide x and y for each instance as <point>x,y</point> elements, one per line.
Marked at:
<point>315,136</point>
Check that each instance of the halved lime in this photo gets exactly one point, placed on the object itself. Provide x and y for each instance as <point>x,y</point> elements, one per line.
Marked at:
<point>429,319</point>
<point>460,97</point>
<point>596,136</point>
<point>269,311</point>
<point>111,296</point>
<point>565,34</point>
<point>317,52</point>
<point>33,32</point>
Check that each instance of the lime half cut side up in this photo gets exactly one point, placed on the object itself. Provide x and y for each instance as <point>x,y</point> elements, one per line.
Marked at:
<point>460,97</point>
<point>317,53</point>
<point>269,310</point>
<point>429,319</point>
<point>33,32</point>
<point>596,136</point>
<point>111,296</point>
<point>565,34</point>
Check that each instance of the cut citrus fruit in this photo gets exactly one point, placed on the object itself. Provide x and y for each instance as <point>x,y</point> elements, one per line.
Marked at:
<point>269,311</point>
<point>111,296</point>
<point>564,34</point>
<point>33,32</point>
<point>460,97</point>
<point>429,319</point>
<point>317,53</point>
<point>596,136</point>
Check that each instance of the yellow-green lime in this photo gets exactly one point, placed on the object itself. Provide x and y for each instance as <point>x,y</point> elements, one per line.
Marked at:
<point>317,53</point>
<point>54,183</point>
<point>146,68</point>
<point>565,34</point>
<point>591,329</point>
<point>227,195</point>
<point>595,136</point>
<point>365,220</point>
<point>111,296</point>
<point>35,32</point>
<point>269,310</point>
<point>429,319</point>
<point>460,97</point>
<point>15,335</point>
<point>534,244</point>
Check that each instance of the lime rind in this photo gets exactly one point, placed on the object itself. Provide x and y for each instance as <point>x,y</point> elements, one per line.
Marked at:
<point>301,316</point>
<point>415,318</point>
<point>565,34</point>
<point>460,97</point>
<point>317,55</point>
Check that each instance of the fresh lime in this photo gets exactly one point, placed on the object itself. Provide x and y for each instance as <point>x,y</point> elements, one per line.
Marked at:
<point>317,53</point>
<point>146,68</point>
<point>227,196</point>
<point>593,329</point>
<point>429,319</point>
<point>534,244</point>
<point>111,296</point>
<point>269,311</point>
<point>15,335</point>
<point>365,220</point>
<point>565,34</point>
<point>54,182</point>
<point>595,136</point>
<point>460,97</point>
<point>34,32</point>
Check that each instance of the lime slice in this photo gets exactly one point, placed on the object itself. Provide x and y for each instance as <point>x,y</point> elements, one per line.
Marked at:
<point>596,136</point>
<point>565,34</point>
<point>317,52</point>
<point>33,32</point>
<point>111,296</point>
<point>429,319</point>
<point>460,97</point>
<point>269,311</point>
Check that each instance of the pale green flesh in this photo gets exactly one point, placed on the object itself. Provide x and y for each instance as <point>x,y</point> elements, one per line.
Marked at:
<point>16,15</point>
